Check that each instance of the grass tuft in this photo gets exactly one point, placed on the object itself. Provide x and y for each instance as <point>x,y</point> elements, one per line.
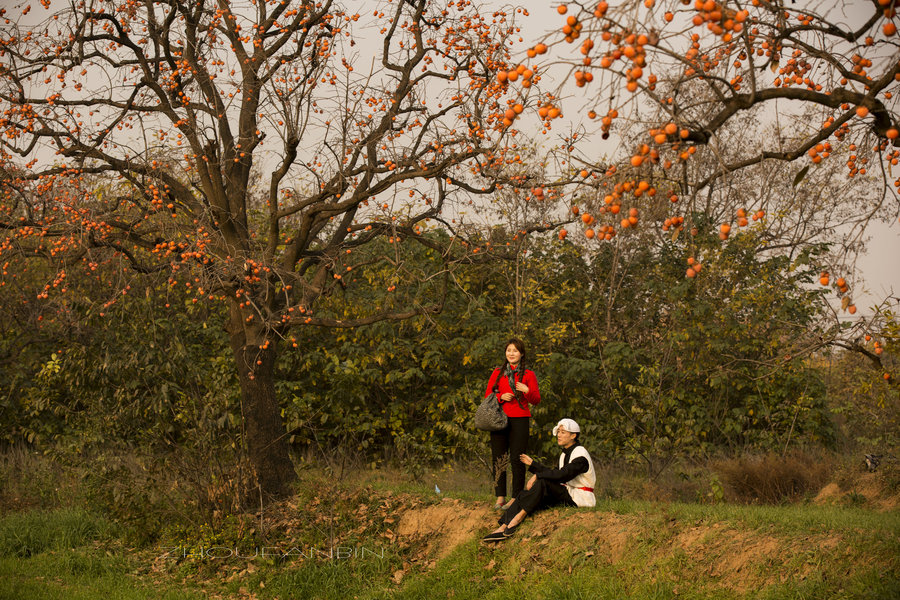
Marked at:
<point>31,533</point>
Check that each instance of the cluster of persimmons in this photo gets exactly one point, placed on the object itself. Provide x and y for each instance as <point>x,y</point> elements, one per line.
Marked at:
<point>739,36</point>
<point>606,48</point>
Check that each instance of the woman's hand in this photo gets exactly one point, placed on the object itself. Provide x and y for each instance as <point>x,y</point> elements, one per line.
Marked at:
<point>507,397</point>
<point>521,387</point>
<point>531,482</point>
<point>526,459</point>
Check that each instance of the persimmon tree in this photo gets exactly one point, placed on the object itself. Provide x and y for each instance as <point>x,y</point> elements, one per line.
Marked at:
<point>773,116</point>
<point>245,150</point>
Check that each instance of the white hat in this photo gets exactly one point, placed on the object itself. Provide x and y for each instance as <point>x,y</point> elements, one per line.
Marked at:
<point>567,424</point>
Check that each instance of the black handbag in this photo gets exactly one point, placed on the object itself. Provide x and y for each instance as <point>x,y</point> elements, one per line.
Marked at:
<point>489,416</point>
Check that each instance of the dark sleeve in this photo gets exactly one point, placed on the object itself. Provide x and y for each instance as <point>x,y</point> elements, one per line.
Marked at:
<point>576,466</point>
<point>536,467</point>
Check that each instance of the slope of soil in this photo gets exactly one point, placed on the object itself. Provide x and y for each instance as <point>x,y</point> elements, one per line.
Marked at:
<point>726,554</point>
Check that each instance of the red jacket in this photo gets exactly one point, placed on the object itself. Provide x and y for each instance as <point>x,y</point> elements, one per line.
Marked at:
<point>512,408</point>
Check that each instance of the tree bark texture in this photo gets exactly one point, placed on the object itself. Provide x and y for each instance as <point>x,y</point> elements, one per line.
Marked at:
<point>263,428</point>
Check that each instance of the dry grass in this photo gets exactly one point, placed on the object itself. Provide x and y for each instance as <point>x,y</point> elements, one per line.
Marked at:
<point>772,478</point>
<point>29,479</point>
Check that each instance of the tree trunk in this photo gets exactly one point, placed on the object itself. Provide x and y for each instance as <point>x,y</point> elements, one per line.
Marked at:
<point>264,434</point>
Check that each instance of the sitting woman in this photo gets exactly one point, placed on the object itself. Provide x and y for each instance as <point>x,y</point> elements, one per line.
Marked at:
<point>572,484</point>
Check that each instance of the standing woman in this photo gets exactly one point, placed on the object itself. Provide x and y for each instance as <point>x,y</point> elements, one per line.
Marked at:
<point>516,388</point>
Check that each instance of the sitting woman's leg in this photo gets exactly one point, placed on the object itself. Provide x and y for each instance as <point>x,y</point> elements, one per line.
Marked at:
<point>524,504</point>
<point>528,500</point>
<point>540,495</point>
<point>556,495</point>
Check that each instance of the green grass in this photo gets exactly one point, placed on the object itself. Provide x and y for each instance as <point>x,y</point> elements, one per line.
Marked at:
<point>71,553</point>
<point>68,553</point>
<point>453,483</point>
<point>331,580</point>
<point>78,574</point>
<point>786,519</point>
<point>29,533</point>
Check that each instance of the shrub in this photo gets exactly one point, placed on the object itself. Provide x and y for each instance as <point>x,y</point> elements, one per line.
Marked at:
<point>29,479</point>
<point>772,478</point>
<point>145,493</point>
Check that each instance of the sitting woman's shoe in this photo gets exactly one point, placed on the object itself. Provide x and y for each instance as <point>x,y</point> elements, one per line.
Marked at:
<point>507,505</point>
<point>496,536</point>
<point>510,530</point>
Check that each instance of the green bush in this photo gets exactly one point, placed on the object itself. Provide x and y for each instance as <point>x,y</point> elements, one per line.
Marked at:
<point>653,365</point>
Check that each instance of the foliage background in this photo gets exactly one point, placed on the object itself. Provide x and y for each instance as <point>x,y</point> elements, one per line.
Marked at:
<point>654,366</point>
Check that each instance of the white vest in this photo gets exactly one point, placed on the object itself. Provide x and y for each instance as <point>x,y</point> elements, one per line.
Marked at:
<point>583,480</point>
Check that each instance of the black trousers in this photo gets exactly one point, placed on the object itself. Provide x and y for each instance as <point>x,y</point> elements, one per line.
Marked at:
<point>542,494</point>
<point>506,446</point>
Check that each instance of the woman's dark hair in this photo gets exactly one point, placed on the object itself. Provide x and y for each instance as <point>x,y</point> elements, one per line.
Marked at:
<point>519,344</point>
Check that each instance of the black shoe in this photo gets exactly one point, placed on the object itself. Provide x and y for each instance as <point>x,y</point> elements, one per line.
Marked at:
<point>510,530</point>
<point>494,537</point>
